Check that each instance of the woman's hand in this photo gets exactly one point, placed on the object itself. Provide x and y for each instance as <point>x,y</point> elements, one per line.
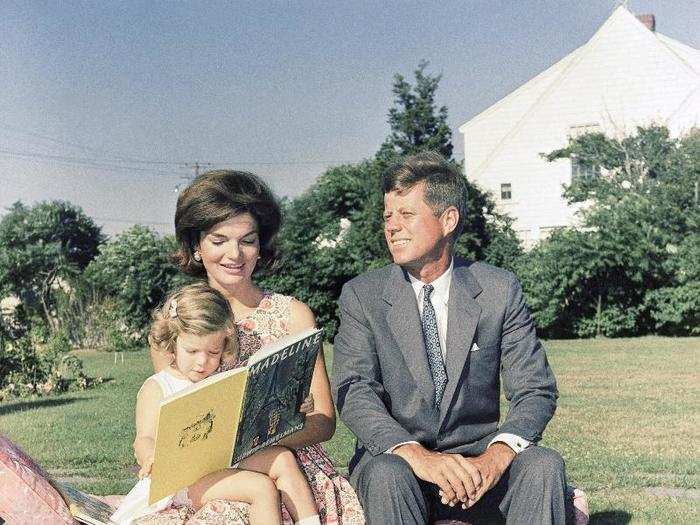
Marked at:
<point>308,405</point>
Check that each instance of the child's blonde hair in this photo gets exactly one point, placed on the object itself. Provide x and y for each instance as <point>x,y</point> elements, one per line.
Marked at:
<point>196,309</point>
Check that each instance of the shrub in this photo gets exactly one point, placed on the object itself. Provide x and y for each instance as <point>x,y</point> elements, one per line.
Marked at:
<point>632,268</point>
<point>135,270</point>
<point>41,249</point>
<point>30,367</point>
<point>92,321</point>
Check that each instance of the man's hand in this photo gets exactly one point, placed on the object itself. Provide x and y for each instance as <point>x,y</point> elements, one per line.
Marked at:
<point>457,478</point>
<point>491,466</point>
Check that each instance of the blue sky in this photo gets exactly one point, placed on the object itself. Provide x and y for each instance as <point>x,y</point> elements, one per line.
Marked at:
<point>284,89</point>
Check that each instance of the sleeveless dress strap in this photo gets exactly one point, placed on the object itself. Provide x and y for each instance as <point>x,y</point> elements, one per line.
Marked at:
<point>170,384</point>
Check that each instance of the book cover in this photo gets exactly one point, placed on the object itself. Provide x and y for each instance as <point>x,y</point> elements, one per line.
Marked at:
<point>228,416</point>
<point>84,507</point>
<point>278,381</point>
<point>196,429</point>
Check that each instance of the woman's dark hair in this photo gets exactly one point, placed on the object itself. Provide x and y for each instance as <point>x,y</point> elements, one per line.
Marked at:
<point>216,196</point>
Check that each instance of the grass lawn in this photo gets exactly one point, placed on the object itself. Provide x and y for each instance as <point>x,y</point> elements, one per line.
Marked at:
<point>627,425</point>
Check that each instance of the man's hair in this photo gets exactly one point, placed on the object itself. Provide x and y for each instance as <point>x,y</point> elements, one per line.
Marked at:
<point>217,196</point>
<point>445,186</point>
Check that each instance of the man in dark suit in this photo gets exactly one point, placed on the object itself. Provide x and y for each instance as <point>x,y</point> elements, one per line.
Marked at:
<point>421,346</point>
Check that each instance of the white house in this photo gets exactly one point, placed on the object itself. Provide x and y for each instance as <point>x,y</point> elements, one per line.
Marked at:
<point>626,75</point>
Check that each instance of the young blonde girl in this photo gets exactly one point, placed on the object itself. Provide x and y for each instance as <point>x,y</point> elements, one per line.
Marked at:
<point>195,328</point>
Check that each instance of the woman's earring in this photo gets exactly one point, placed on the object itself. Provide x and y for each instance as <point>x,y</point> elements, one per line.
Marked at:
<point>197,256</point>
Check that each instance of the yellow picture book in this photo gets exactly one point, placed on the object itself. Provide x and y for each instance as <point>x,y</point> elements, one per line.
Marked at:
<point>228,416</point>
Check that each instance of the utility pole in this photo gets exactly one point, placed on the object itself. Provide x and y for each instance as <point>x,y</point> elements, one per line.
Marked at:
<point>196,166</point>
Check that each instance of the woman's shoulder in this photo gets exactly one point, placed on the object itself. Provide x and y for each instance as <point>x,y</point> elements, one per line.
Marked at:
<point>274,298</point>
<point>299,314</point>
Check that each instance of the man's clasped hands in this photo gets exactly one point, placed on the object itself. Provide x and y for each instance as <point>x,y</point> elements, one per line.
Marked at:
<point>459,479</point>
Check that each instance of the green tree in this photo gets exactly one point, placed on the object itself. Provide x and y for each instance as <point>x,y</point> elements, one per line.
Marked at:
<point>606,278</point>
<point>41,247</point>
<point>417,124</point>
<point>334,231</point>
<point>135,270</point>
<point>330,234</point>
<point>675,307</point>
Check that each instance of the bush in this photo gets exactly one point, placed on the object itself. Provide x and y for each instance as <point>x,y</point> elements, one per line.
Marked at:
<point>676,308</point>
<point>633,266</point>
<point>30,367</point>
<point>92,321</point>
<point>42,248</point>
<point>134,270</point>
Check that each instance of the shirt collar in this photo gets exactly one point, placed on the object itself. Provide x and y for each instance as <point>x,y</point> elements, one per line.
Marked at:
<point>441,286</point>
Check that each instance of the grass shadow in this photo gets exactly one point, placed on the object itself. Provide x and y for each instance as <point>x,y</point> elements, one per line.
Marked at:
<point>18,406</point>
<point>610,517</point>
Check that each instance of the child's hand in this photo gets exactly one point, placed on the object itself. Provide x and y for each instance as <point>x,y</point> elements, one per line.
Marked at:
<point>308,405</point>
<point>146,467</point>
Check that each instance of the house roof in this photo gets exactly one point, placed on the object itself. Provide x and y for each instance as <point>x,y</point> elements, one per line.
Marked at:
<point>616,31</point>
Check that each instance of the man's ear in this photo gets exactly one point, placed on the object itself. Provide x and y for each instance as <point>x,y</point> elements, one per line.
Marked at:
<point>450,220</point>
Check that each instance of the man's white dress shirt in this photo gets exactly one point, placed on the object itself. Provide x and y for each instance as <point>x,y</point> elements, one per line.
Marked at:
<point>440,298</point>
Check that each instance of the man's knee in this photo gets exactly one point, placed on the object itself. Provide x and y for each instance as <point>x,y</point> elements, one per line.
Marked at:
<point>542,463</point>
<point>389,491</point>
<point>386,469</point>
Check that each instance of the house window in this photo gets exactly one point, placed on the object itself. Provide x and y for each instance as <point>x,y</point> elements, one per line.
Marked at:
<point>583,170</point>
<point>583,129</point>
<point>505,192</point>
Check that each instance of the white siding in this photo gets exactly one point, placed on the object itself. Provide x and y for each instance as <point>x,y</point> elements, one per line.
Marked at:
<point>625,76</point>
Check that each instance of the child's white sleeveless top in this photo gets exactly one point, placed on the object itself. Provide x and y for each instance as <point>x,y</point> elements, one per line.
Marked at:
<point>135,504</point>
<point>169,383</point>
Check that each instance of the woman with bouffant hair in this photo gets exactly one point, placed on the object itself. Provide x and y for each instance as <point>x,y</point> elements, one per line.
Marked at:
<point>225,223</point>
<point>215,197</point>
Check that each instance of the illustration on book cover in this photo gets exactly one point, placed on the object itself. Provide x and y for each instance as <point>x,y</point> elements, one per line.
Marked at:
<point>199,430</point>
<point>264,418</point>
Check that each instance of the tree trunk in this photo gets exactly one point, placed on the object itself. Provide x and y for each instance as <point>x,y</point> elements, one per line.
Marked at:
<point>598,313</point>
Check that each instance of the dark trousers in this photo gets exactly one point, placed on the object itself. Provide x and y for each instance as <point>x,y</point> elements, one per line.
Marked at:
<point>531,491</point>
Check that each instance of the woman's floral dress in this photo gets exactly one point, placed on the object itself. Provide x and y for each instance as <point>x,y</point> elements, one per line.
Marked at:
<point>335,498</point>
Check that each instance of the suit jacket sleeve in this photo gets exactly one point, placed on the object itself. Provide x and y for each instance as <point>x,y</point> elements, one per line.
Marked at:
<point>528,380</point>
<point>357,382</point>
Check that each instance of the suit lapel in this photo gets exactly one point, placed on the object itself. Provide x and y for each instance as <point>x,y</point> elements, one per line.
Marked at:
<point>462,320</point>
<point>404,322</point>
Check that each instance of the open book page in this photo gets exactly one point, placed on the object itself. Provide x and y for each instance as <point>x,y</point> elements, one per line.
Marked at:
<point>85,508</point>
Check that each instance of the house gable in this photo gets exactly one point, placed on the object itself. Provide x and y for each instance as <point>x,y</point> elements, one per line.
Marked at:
<point>623,77</point>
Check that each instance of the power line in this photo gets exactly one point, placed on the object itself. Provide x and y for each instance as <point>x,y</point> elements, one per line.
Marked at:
<point>103,165</point>
<point>138,160</point>
<point>127,221</point>
<point>118,161</point>
<point>82,161</point>
<point>231,162</point>
<point>4,212</point>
